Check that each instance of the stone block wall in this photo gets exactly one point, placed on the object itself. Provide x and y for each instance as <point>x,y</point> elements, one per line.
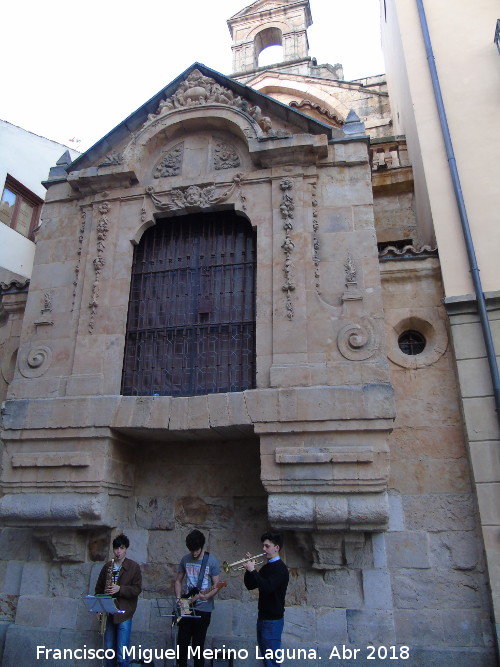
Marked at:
<point>422,583</point>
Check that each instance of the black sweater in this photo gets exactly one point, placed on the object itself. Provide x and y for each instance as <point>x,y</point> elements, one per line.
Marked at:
<point>272,582</point>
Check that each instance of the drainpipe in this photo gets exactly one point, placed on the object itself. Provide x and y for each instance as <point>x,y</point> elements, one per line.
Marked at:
<point>481,301</point>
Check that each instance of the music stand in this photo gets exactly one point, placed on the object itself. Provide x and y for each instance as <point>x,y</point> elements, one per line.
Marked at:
<point>168,608</point>
<point>104,604</point>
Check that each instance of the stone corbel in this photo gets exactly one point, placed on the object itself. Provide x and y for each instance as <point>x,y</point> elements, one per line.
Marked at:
<point>48,511</point>
<point>306,149</point>
<point>14,302</point>
<point>350,469</point>
<point>335,512</point>
<point>97,179</point>
<point>328,476</point>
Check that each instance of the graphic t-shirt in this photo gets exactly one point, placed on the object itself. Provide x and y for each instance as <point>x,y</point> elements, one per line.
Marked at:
<point>191,568</point>
<point>116,572</point>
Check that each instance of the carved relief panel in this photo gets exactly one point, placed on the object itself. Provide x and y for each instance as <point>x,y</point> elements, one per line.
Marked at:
<point>197,154</point>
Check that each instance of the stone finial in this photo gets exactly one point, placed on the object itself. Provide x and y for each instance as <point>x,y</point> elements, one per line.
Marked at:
<point>353,124</point>
<point>65,160</point>
<point>61,167</point>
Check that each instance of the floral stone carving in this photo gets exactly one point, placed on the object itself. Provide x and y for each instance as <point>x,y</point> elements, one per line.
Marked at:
<point>225,156</point>
<point>171,163</point>
<point>286,209</point>
<point>99,261</point>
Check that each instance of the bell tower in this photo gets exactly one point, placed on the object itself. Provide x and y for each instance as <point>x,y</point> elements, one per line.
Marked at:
<point>269,23</point>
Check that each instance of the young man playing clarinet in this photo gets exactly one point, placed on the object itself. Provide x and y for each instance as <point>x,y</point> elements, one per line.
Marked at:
<point>272,582</point>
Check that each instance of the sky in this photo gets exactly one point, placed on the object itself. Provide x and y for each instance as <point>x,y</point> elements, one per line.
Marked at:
<point>77,69</point>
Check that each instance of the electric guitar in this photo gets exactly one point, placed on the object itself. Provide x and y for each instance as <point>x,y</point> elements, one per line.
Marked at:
<point>185,604</point>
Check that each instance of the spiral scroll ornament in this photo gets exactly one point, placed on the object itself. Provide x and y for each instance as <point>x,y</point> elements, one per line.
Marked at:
<point>357,341</point>
<point>35,362</point>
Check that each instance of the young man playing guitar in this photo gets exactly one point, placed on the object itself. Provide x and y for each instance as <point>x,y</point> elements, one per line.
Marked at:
<point>200,570</point>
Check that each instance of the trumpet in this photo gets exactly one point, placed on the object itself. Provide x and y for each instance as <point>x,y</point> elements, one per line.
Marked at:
<point>239,564</point>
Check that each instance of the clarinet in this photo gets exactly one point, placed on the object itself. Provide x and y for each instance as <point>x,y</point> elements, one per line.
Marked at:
<point>109,580</point>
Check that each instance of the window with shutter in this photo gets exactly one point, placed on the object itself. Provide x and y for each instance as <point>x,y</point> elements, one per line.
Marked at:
<point>191,318</point>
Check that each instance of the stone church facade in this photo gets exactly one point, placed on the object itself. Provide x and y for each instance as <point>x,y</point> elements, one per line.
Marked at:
<point>234,322</point>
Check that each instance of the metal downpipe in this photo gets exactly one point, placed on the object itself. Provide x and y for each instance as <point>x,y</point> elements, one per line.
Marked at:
<point>469,244</point>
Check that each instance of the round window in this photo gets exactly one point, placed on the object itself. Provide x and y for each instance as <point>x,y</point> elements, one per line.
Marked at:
<point>411,342</point>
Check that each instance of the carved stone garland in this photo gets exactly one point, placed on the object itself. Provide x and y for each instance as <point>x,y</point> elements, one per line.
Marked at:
<point>99,261</point>
<point>286,208</point>
<point>79,253</point>
<point>316,258</point>
<point>197,196</point>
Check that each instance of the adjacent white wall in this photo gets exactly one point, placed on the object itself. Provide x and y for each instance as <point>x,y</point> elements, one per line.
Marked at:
<point>468,66</point>
<point>16,252</point>
<point>27,158</point>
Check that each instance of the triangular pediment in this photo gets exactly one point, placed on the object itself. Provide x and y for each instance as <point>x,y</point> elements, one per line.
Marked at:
<point>266,5</point>
<point>201,87</point>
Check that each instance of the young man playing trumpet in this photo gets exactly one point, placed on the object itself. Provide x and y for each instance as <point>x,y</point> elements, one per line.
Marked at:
<point>272,582</point>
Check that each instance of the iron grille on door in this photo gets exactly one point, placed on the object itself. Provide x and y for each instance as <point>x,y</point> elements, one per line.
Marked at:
<point>191,318</point>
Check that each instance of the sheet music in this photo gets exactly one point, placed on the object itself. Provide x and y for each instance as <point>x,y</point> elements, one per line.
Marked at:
<point>102,603</point>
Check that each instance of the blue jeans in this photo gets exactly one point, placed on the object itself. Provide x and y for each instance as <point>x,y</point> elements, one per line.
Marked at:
<point>116,637</point>
<point>269,637</point>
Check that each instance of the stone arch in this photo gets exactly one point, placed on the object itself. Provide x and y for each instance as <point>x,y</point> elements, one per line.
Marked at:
<point>171,125</point>
<point>285,90</point>
<point>269,36</point>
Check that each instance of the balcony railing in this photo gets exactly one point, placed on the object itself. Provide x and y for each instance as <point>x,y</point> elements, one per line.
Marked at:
<point>388,154</point>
